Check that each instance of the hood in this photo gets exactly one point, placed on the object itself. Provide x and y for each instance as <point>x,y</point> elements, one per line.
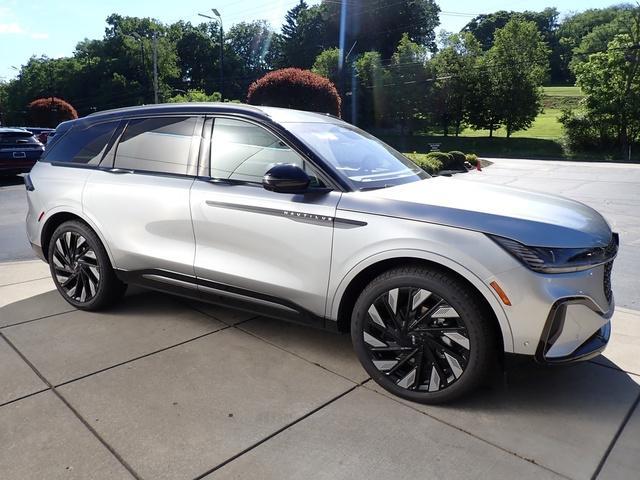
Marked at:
<point>534,219</point>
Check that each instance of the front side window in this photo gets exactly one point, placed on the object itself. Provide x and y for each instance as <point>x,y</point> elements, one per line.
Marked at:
<point>244,151</point>
<point>161,144</point>
<point>82,145</point>
<point>362,159</point>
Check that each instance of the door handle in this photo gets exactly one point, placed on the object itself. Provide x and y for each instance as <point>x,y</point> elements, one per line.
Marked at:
<point>119,170</point>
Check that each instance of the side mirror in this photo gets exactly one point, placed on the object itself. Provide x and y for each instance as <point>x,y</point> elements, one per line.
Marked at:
<point>286,178</point>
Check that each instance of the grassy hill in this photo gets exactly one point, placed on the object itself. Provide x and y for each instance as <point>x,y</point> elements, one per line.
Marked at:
<point>546,126</point>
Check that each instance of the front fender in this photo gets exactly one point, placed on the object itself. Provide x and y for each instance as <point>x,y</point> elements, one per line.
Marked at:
<point>470,254</point>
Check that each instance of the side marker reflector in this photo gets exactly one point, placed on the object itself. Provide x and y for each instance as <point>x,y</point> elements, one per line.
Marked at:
<point>501,294</point>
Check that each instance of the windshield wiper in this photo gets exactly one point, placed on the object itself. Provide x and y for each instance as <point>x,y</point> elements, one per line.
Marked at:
<point>365,189</point>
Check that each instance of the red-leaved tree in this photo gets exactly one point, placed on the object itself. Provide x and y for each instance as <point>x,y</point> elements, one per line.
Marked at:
<point>50,111</point>
<point>295,88</point>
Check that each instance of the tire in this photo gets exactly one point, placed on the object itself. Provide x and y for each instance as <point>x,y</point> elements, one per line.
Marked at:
<point>422,335</point>
<point>81,269</point>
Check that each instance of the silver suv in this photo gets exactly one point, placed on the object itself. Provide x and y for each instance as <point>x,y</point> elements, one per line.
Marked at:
<point>304,217</point>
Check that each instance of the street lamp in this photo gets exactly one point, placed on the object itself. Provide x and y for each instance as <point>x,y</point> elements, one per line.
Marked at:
<point>218,18</point>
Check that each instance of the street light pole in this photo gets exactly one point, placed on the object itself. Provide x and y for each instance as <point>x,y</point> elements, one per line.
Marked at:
<point>221,56</point>
<point>155,67</point>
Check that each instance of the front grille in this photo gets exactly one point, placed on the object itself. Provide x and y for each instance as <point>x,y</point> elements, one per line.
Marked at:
<point>608,267</point>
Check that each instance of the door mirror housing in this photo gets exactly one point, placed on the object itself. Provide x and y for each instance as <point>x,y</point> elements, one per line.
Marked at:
<point>286,178</point>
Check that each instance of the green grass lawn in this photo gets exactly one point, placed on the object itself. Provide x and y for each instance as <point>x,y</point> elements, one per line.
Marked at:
<point>545,126</point>
<point>541,140</point>
<point>563,91</point>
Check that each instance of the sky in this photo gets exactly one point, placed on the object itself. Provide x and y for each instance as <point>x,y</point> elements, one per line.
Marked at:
<point>53,28</point>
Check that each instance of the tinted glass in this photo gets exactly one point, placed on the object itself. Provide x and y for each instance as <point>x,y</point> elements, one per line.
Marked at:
<point>360,157</point>
<point>16,139</point>
<point>82,145</point>
<point>244,151</point>
<point>156,145</point>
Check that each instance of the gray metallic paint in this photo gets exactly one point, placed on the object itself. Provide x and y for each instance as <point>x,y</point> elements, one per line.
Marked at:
<point>233,234</point>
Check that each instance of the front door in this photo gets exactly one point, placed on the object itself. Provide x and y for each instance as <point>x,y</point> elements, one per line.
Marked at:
<point>271,247</point>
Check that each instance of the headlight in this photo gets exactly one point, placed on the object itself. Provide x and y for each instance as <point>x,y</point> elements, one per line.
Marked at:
<point>558,260</point>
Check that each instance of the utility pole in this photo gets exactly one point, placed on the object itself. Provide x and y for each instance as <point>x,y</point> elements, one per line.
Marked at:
<point>221,56</point>
<point>155,67</point>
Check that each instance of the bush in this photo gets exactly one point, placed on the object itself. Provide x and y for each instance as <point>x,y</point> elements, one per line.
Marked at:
<point>295,88</point>
<point>195,95</point>
<point>49,112</point>
<point>429,164</point>
<point>583,132</point>
<point>472,158</point>
<point>457,162</point>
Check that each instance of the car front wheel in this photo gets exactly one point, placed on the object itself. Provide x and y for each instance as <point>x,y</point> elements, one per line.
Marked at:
<point>422,335</point>
<point>81,269</point>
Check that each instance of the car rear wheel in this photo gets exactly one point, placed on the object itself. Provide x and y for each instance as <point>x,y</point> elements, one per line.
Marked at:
<point>81,269</point>
<point>422,335</point>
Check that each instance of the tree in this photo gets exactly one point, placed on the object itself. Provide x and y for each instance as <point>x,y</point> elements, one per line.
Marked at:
<point>197,49</point>
<point>327,65</point>
<point>485,26</point>
<point>514,69</point>
<point>293,37</point>
<point>455,68</point>
<point>407,87</point>
<point>49,112</point>
<point>485,106</point>
<point>371,97</point>
<point>611,83</point>
<point>251,43</point>
<point>295,88</point>
<point>378,25</point>
<point>576,28</point>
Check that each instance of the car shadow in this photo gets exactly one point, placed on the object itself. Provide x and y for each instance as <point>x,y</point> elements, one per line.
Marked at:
<point>585,388</point>
<point>10,180</point>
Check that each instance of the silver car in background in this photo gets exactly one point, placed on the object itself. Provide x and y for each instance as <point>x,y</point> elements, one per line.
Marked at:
<point>303,217</point>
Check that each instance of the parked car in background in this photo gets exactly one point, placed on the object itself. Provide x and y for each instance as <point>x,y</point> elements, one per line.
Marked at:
<point>19,150</point>
<point>42,134</point>
<point>301,216</point>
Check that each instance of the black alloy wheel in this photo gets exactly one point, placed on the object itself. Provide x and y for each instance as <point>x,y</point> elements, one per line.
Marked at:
<point>81,269</point>
<point>76,267</point>
<point>421,336</point>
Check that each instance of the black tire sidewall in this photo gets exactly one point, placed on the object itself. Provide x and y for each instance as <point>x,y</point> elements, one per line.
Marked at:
<point>481,346</point>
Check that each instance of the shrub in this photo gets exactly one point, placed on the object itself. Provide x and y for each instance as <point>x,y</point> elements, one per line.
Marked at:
<point>472,158</point>
<point>295,88</point>
<point>444,158</point>
<point>458,156</point>
<point>50,111</point>
<point>584,132</point>
<point>427,163</point>
<point>195,95</point>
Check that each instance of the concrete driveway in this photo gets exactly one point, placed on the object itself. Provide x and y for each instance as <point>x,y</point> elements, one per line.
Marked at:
<point>162,388</point>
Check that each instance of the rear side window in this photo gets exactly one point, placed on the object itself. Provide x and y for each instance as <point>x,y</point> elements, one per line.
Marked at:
<point>82,145</point>
<point>160,144</point>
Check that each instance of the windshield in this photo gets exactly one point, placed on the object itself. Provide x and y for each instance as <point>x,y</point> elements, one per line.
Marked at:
<point>364,160</point>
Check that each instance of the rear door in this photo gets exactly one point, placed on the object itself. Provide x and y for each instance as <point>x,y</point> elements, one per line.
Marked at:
<point>139,198</point>
<point>272,247</point>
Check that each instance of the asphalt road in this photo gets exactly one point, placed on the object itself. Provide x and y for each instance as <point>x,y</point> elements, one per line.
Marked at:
<point>13,210</point>
<point>611,188</point>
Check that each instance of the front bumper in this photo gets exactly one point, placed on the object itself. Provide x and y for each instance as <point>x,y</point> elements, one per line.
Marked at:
<point>38,251</point>
<point>576,330</point>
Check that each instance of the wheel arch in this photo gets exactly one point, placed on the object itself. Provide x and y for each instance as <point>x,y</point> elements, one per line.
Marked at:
<point>57,218</point>
<point>350,288</point>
